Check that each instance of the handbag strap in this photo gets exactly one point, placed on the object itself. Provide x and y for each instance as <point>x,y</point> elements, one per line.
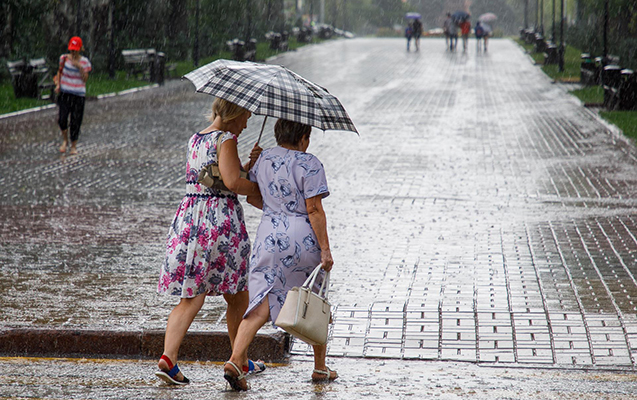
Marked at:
<point>309,282</point>
<point>61,69</point>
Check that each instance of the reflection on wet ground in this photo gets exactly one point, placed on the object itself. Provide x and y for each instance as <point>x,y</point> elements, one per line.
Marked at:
<point>482,214</point>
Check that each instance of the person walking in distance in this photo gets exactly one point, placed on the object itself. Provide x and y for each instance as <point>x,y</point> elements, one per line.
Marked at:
<point>446,28</point>
<point>417,28</point>
<point>409,32</point>
<point>465,30</point>
<point>70,85</point>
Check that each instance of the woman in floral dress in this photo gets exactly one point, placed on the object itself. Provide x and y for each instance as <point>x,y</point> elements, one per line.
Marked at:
<point>291,239</point>
<point>208,247</point>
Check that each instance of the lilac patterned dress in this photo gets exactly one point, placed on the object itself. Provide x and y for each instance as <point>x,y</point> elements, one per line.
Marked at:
<point>285,248</point>
<point>208,247</point>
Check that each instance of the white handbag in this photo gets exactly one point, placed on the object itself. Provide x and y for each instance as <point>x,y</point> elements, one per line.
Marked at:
<point>305,314</point>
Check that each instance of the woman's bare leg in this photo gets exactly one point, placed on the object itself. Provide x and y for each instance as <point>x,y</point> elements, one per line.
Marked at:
<point>65,140</point>
<point>178,323</point>
<point>320,353</point>
<point>237,305</point>
<point>247,331</point>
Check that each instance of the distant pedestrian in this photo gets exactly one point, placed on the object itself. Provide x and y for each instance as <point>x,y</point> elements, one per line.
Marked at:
<point>409,33</point>
<point>70,85</point>
<point>208,247</point>
<point>465,30</point>
<point>446,28</point>
<point>452,30</point>
<point>479,32</point>
<point>417,28</point>
<point>487,33</point>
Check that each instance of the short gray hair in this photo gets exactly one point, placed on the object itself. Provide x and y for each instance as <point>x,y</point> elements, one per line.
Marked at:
<point>290,132</point>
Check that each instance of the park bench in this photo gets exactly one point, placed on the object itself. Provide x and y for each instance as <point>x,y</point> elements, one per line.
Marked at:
<point>303,35</point>
<point>588,70</point>
<point>147,63</point>
<point>611,77</point>
<point>540,44</point>
<point>324,31</point>
<point>278,41</point>
<point>242,51</point>
<point>31,79</point>
<point>529,36</point>
<point>139,62</point>
<point>627,93</point>
<point>551,54</point>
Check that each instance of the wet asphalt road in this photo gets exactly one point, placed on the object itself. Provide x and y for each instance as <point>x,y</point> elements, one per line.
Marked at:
<point>482,215</point>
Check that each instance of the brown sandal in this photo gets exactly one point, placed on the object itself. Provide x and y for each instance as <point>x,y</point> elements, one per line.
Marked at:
<point>235,380</point>
<point>325,375</point>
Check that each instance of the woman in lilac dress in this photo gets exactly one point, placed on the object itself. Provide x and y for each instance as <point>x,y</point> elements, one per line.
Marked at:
<point>291,240</point>
<point>208,247</point>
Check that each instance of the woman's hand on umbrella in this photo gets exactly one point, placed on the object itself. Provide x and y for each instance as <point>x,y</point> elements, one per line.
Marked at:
<point>255,153</point>
<point>326,259</point>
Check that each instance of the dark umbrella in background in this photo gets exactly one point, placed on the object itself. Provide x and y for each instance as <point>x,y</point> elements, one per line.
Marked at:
<point>272,91</point>
<point>460,16</point>
<point>413,15</point>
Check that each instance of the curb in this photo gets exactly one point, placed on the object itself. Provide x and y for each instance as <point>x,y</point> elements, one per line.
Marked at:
<point>91,98</point>
<point>75,343</point>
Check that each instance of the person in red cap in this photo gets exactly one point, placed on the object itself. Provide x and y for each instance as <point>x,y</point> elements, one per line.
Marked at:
<point>70,84</point>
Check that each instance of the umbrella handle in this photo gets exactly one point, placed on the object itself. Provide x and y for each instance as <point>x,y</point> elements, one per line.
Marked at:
<point>262,127</point>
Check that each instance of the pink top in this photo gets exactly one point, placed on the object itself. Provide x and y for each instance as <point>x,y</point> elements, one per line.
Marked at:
<point>71,79</point>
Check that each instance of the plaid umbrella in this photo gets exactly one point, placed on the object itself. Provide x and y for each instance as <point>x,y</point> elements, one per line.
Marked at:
<point>272,90</point>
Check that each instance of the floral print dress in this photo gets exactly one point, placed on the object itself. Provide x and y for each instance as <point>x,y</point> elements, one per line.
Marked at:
<point>285,249</point>
<point>208,247</point>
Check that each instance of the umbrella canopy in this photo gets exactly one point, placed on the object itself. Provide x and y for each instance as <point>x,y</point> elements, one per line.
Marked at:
<point>272,90</point>
<point>413,15</point>
<point>488,17</point>
<point>460,16</point>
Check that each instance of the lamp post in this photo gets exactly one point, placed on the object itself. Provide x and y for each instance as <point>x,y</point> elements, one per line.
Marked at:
<point>606,18</point>
<point>111,40</point>
<point>553,30</point>
<point>542,17</point>
<point>526,14</point>
<point>195,48</point>
<point>562,47</point>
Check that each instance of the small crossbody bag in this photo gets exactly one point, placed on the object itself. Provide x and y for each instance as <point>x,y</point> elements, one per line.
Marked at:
<point>210,175</point>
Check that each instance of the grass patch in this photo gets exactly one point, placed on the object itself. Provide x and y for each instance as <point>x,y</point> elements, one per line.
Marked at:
<point>590,94</point>
<point>8,102</point>
<point>572,61</point>
<point>99,83</point>
<point>624,120</point>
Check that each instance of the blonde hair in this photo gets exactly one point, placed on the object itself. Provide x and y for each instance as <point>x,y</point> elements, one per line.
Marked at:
<point>226,110</point>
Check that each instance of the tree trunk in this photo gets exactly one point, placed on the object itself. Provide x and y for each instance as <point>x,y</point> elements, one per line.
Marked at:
<point>6,35</point>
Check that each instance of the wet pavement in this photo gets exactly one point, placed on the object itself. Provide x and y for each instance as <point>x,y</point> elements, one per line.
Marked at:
<point>360,379</point>
<point>482,215</point>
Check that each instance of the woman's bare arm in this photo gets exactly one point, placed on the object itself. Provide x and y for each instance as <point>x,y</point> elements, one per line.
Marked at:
<point>230,168</point>
<point>318,220</point>
<point>256,201</point>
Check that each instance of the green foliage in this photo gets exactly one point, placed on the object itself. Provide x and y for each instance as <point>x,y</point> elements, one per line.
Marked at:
<point>590,95</point>
<point>624,120</point>
<point>8,102</point>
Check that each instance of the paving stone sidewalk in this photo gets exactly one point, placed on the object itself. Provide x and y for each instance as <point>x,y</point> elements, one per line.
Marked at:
<point>482,214</point>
